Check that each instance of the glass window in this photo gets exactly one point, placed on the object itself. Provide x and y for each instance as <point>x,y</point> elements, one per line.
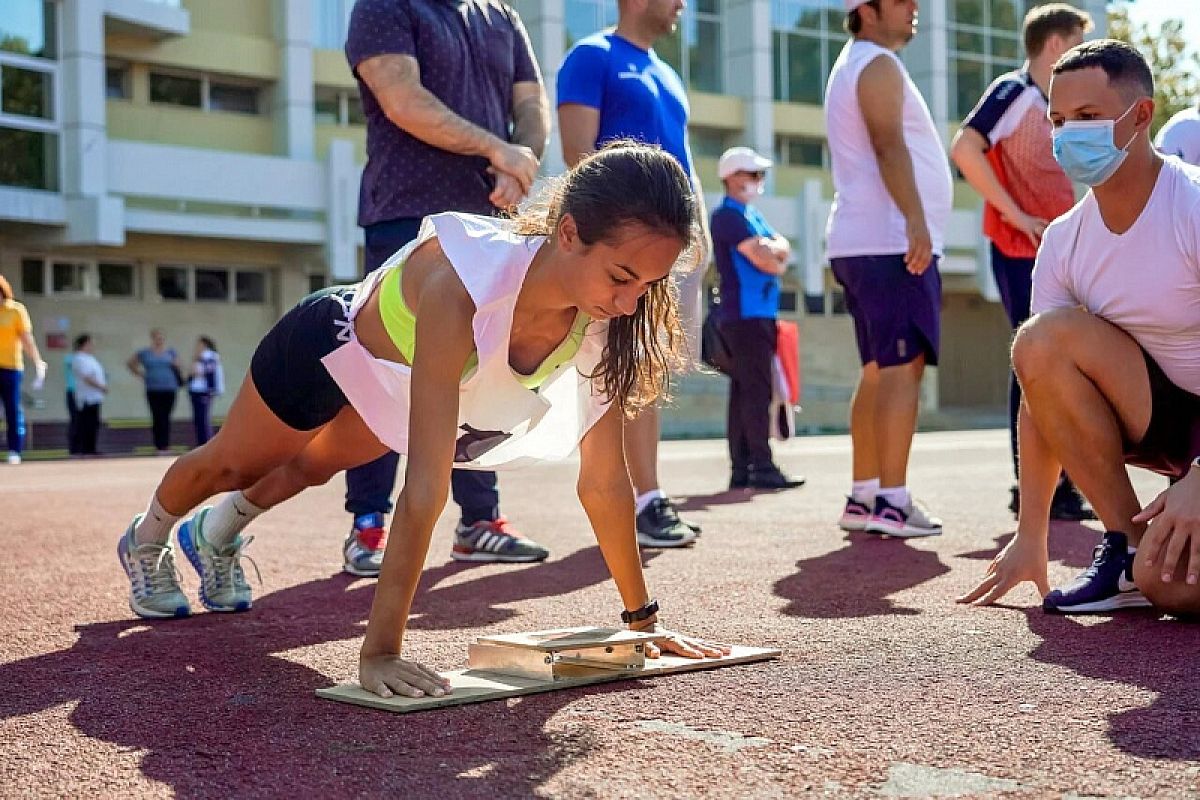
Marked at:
<point>704,56</point>
<point>172,283</point>
<point>33,276</point>
<point>798,151</point>
<point>117,280</point>
<point>706,142</point>
<point>315,282</point>
<point>68,277</point>
<point>233,98</point>
<point>970,80</point>
<point>212,284</point>
<point>807,38</point>
<point>30,159</point>
<point>252,286</point>
<point>354,110</point>
<point>330,18</point>
<point>25,92</point>
<point>985,41</point>
<point>116,82</point>
<point>326,105</point>
<point>174,90</point>
<point>27,27</point>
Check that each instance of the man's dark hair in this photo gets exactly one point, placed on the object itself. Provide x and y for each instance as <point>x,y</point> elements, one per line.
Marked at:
<point>1042,22</point>
<point>81,340</point>
<point>853,23</point>
<point>1122,63</point>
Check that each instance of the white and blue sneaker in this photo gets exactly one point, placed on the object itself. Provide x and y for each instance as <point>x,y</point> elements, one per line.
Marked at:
<point>362,554</point>
<point>1107,585</point>
<point>223,585</point>
<point>154,591</point>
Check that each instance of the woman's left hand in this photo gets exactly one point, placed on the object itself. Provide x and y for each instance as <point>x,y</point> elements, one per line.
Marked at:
<point>681,645</point>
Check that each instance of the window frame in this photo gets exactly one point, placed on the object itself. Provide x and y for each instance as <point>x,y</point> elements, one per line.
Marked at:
<point>90,277</point>
<point>51,126</point>
<point>207,79</point>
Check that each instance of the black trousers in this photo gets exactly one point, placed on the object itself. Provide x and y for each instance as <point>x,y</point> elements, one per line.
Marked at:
<point>72,424</point>
<point>161,404</point>
<point>748,427</point>
<point>87,428</point>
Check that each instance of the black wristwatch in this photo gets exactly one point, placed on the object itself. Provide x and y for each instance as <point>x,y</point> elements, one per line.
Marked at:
<point>645,612</point>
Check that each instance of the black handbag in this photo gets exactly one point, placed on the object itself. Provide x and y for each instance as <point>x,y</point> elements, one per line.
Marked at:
<point>714,348</point>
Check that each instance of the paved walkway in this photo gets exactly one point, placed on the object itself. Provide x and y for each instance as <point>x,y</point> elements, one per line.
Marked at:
<point>886,687</point>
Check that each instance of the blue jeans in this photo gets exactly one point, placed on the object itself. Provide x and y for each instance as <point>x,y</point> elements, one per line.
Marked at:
<point>201,416</point>
<point>1014,280</point>
<point>369,487</point>
<point>14,415</point>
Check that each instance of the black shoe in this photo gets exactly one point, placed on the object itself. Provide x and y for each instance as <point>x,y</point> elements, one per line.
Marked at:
<point>1106,585</point>
<point>1014,504</point>
<point>1069,505</point>
<point>771,478</point>
<point>738,479</point>
<point>660,526</point>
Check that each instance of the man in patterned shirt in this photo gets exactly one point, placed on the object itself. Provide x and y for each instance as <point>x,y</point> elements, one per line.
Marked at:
<point>1003,150</point>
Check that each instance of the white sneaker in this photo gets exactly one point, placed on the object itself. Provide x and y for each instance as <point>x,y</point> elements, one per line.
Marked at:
<point>910,521</point>
<point>154,591</point>
<point>14,458</point>
<point>223,585</point>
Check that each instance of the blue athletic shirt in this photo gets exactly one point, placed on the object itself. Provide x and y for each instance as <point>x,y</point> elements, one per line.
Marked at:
<point>639,96</point>
<point>746,291</point>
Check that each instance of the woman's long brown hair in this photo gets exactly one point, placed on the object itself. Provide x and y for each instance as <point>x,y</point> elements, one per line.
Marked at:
<point>628,185</point>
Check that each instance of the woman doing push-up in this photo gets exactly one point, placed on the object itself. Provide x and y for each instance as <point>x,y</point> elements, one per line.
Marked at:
<point>484,343</point>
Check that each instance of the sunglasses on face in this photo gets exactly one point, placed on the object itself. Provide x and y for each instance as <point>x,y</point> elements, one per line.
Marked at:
<point>757,175</point>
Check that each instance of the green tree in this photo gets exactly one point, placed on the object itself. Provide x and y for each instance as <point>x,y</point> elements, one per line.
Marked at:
<point>1175,68</point>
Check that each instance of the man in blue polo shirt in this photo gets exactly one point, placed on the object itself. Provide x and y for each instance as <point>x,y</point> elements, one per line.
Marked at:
<point>457,118</point>
<point>612,85</point>
<point>750,257</point>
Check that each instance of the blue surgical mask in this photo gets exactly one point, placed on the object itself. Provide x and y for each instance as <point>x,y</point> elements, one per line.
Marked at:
<point>1086,151</point>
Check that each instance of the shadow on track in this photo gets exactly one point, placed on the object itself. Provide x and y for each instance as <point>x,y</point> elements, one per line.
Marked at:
<point>1071,543</point>
<point>728,497</point>
<point>1142,651</point>
<point>858,579</point>
<point>219,711</point>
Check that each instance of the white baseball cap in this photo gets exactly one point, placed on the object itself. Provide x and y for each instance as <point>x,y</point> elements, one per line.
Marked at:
<point>741,159</point>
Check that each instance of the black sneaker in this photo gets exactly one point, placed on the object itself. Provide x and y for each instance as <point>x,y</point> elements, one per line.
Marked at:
<point>1104,586</point>
<point>771,477</point>
<point>1069,505</point>
<point>660,526</point>
<point>737,479</point>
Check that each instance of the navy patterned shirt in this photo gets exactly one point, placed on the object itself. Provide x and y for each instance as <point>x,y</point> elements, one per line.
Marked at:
<point>470,52</point>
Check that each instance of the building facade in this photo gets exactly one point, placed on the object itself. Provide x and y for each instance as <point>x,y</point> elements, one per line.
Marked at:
<point>193,165</point>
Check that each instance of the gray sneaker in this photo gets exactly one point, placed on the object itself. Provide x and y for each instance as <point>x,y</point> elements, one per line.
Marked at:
<point>223,585</point>
<point>153,580</point>
<point>495,540</point>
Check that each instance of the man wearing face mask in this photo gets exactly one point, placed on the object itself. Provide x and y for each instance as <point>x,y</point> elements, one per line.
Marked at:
<point>1003,150</point>
<point>892,199</point>
<point>1110,362</point>
<point>750,257</point>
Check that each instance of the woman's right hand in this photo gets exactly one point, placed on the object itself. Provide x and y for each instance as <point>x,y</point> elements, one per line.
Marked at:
<point>1022,559</point>
<point>389,674</point>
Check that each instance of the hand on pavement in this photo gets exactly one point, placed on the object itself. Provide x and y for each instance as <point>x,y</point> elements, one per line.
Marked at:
<point>1021,560</point>
<point>386,675</point>
<point>1174,531</point>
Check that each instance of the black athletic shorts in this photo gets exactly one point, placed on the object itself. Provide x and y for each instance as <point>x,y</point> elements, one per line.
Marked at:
<point>287,369</point>
<point>1172,439</point>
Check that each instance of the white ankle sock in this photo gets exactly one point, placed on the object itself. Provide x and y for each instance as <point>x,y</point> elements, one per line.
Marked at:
<point>155,525</point>
<point>228,518</point>
<point>896,496</point>
<point>865,491</point>
<point>643,500</point>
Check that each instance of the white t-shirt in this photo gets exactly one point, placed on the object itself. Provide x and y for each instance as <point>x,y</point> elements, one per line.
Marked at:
<point>1181,135</point>
<point>85,365</point>
<point>865,221</point>
<point>1145,281</point>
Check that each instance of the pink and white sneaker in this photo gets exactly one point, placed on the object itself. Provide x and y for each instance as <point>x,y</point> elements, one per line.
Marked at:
<point>908,522</point>
<point>855,515</point>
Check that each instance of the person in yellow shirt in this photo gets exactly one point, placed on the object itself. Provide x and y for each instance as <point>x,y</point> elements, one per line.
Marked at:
<point>16,335</point>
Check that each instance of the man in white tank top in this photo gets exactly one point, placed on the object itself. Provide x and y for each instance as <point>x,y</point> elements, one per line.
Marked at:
<point>892,198</point>
<point>1110,362</point>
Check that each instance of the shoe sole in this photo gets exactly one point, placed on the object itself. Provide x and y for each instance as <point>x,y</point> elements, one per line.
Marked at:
<point>644,540</point>
<point>901,533</point>
<point>480,558</point>
<point>360,573</point>
<point>145,613</point>
<point>187,545</point>
<point>1121,601</point>
<point>852,524</point>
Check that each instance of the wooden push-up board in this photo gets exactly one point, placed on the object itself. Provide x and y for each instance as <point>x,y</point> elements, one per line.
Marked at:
<point>545,661</point>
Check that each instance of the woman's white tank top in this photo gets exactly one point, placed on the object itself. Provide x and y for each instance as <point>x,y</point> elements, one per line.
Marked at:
<point>501,424</point>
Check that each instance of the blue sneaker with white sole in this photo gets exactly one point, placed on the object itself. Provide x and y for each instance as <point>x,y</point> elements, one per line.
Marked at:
<point>223,585</point>
<point>1106,585</point>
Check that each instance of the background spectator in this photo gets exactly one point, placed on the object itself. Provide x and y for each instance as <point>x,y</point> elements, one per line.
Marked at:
<point>90,387</point>
<point>158,367</point>
<point>207,382</point>
<point>16,341</point>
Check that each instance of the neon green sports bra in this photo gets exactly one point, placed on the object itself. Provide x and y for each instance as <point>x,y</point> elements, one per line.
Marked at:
<point>401,326</point>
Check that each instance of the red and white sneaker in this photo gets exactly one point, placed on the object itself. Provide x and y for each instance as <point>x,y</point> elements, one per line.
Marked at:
<point>363,550</point>
<point>494,540</point>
